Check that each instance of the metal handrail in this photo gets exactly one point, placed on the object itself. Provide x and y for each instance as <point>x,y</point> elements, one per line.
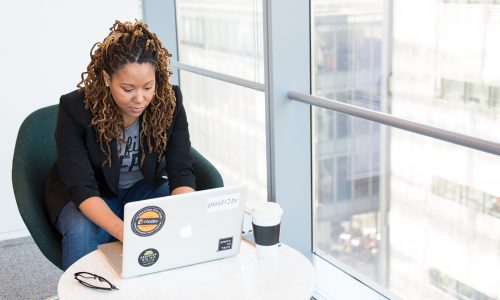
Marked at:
<point>393,121</point>
<point>219,76</point>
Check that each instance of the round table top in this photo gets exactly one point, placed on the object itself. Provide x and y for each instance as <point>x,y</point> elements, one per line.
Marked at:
<point>289,275</point>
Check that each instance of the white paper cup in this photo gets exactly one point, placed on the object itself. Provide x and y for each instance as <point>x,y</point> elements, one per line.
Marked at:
<point>266,220</point>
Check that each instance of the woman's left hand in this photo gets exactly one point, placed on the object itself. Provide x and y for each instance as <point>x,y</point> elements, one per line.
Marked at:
<point>182,190</point>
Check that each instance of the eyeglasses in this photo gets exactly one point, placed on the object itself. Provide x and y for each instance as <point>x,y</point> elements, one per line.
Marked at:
<point>94,281</point>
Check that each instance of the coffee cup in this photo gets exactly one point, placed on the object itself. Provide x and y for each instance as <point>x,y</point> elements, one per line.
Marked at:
<point>266,220</point>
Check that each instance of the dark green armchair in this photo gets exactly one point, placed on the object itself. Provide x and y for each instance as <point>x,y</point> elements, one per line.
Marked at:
<point>34,156</point>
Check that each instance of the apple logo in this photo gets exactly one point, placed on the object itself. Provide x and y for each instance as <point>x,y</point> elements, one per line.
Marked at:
<point>186,231</point>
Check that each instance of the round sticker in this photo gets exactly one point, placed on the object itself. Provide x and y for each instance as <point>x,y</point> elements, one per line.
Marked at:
<point>148,221</point>
<point>148,257</point>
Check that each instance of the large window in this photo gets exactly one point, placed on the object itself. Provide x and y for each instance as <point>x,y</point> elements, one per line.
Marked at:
<point>413,214</point>
<point>404,214</point>
<point>227,121</point>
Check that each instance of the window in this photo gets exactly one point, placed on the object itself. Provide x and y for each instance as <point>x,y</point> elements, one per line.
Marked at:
<point>227,121</point>
<point>389,201</point>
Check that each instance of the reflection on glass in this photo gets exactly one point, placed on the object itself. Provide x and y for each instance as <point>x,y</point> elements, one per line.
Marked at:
<point>418,216</point>
<point>227,125</point>
<point>222,35</point>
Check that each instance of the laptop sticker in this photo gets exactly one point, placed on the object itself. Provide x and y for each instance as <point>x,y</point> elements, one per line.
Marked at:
<point>225,244</point>
<point>148,257</point>
<point>220,203</point>
<point>148,221</point>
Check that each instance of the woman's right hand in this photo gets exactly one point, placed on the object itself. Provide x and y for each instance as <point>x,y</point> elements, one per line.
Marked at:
<point>97,211</point>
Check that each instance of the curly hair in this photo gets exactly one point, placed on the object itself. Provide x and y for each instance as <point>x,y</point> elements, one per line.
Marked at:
<point>128,43</point>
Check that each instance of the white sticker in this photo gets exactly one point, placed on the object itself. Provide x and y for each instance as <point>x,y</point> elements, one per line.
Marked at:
<point>227,202</point>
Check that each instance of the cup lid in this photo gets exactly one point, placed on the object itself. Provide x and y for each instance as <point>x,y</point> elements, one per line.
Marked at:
<point>267,209</point>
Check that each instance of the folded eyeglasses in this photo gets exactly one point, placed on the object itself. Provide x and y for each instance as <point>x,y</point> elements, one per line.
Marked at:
<point>94,281</point>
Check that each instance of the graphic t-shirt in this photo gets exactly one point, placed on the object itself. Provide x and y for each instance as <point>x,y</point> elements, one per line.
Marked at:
<point>130,173</point>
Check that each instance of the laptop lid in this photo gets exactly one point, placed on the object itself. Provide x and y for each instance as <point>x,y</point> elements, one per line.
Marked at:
<point>176,231</point>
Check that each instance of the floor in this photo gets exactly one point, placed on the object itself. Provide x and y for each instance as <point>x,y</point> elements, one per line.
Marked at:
<point>24,272</point>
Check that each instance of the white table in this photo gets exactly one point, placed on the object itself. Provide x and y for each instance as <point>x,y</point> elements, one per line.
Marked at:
<point>288,276</point>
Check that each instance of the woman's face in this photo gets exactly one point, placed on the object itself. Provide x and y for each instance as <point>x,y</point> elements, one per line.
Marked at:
<point>132,88</point>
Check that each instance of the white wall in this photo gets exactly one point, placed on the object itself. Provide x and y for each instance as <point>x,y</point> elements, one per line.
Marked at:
<point>44,47</point>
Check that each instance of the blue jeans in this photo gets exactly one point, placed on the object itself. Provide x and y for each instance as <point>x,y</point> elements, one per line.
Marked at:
<point>81,236</point>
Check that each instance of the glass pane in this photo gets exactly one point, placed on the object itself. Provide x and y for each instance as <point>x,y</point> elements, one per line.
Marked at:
<point>347,51</point>
<point>227,126</point>
<point>223,36</point>
<point>435,62</point>
<point>422,217</point>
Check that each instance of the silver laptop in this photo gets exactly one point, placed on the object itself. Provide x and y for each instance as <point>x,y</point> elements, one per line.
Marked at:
<point>176,231</point>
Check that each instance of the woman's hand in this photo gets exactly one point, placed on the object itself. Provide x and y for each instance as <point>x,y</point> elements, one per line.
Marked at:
<point>97,211</point>
<point>182,190</point>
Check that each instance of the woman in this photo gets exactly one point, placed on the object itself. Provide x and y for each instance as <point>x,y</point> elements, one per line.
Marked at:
<point>118,137</point>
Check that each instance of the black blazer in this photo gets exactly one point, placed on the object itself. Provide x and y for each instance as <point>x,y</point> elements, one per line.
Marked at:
<point>79,172</point>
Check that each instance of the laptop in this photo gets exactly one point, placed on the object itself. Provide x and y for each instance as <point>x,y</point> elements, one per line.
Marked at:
<point>176,231</point>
